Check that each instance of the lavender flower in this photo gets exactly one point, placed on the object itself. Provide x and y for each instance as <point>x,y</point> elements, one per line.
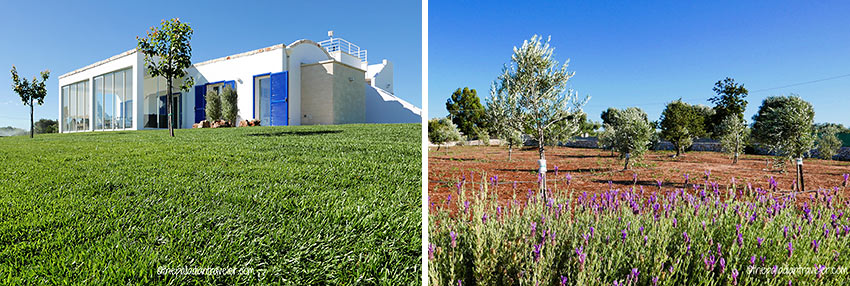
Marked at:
<point>722,265</point>
<point>537,252</point>
<point>591,231</point>
<point>465,206</point>
<point>815,245</point>
<point>454,239</point>
<point>634,275</point>
<point>753,260</point>
<point>624,235</point>
<point>685,235</point>
<point>734,276</point>
<point>556,170</point>
<point>655,281</point>
<point>533,229</point>
<point>430,251</point>
<point>484,218</point>
<point>564,281</point>
<point>569,178</point>
<point>775,270</point>
<point>759,241</point>
<point>790,249</point>
<point>659,182</point>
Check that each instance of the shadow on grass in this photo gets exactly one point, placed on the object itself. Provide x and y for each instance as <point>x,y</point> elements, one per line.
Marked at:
<point>295,133</point>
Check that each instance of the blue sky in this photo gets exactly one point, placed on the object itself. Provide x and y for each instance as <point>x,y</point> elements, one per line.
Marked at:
<point>63,36</point>
<point>645,54</point>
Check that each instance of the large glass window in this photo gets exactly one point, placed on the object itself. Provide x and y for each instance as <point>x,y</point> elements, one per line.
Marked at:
<point>263,93</point>
<point>128,98</point>
<point>110,92</point>
<point>75,107</point>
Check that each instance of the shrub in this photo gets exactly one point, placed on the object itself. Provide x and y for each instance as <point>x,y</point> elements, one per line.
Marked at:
<point>483,136</point>
<point>827,142</point>
<point>229,108</point>
<point>733,135</point>
<point>633,237</point>
<point>213,107</point>
<point>441,131</point>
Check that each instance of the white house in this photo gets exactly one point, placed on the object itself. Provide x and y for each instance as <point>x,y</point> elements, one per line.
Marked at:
<point>303,83</point>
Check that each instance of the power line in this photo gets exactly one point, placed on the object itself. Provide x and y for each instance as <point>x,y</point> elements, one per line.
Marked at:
<point>801,83</point>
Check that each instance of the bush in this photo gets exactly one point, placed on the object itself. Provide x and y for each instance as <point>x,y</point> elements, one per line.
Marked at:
<point>630,237</point>
<point>229,108</point>
<point>827,142</point>
<point>213,107</point>
<point>483,136</point>
<point>441,131</point>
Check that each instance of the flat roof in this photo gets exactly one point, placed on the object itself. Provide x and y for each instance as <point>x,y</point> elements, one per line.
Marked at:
<point>112,58</point>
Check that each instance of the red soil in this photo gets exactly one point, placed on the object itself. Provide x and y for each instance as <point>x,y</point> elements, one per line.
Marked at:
<point>593,169</point>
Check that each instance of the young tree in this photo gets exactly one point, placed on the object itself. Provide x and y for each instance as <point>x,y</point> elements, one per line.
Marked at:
<point>466,111</point>
<point>681,124</point>
<point>734,134</point>
<point>229,108</point>
<point>827,142</point>
<point>168,53</point>
<point>784,125</point>
<point>213,106</point>
<point>441,131</point>
<point>730,100</point>
<point>631,136</point>
<point>31,92</point>
<point>499,120</point>
<point>533,89</point>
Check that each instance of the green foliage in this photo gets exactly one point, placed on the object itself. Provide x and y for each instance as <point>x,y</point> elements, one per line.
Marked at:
<point>46,126</point>
<point>31,92</point>
<point>213,105</point>
<point>466,111</point>
<point>609,116</point>
<point>589,127</point>
<point>784,125</point>
<point>680,124</point>
<point>11,131</point>
<point>482,136</point>
<point>533,96</point>
<point>674,237</point>
<point>441,130</point>
<point>229,108</point>
<point>730,100</point>
<point>630,136</point>
<point>827,142</point>
<point>300,205</point>
<point>168,54</point>
<point>734,135</point>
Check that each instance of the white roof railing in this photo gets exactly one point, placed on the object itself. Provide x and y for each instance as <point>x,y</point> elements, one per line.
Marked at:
<point>340,44</point>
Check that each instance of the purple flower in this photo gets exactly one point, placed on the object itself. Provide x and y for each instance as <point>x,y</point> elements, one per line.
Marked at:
<point>785,231</point>
<point>659,182</point>
<point>759,240</point>
<point>499,211</point>
<point>430,251</point>
<point>734,276</point>
<point>722,265</point>
<point>675,222</point>
<point>533,229</point>
<point>624,235</point>
<point>459,283</point>
<point>454,239</point>
<point>591,231</point>
<point>569,178</point>
<point>846,176</point>
<point>635,273</point>
<point>740,240</point>
<point>449,199</point>
<point>790,249</point>
<point>465,206</point>
<point>655,281</point>
<point>753,260</point>
<point>775,270</point>
<point>686,178</point>
<point>707,174</point>
<point>685,235</point>
<point>815,245</point>
<point>820,270</point>
<point>564,281</point>
<point>484,218</point>
<point>645,238</point>
<point>556,170</point>
<point>537,252</point>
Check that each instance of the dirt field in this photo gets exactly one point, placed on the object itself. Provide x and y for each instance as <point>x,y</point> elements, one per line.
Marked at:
<point>593,170</point>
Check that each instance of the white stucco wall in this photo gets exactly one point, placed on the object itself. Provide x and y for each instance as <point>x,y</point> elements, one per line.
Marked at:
<point>383,107</point>
<point>381,75</point>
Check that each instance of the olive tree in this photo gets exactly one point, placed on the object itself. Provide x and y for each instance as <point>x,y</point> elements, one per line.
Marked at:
<point>827,142</point>
<point>31,92</point>
<point>229,108</point>
<point>213,105</point>
<point>733,134</point>
<point>533,92</point>
<point>681,124</point>
<point>442,130</point>
<point>783,124</point>
<point>168,54</point>
<point>631,137</point>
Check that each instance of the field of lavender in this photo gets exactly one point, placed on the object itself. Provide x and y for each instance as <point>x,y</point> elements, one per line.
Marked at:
<point>750,233</point>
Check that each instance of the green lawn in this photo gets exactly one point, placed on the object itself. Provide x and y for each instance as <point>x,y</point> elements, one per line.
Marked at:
<point>295,205</point>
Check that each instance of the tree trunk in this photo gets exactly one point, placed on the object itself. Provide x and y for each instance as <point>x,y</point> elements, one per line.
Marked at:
<point>678,150</point>
<point>32,121</point>
<point>510,151</point>
<point>800,176</point>
<point>735,161</point>
<point>170,108</point>
<point>627,161</point>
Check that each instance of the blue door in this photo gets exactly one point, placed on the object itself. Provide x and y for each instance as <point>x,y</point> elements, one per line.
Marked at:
<point>200,102</point>
<point>280,99</point>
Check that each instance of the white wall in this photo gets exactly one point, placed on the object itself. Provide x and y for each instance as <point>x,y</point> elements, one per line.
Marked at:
<point>381,75</point>
<point>300,52</point>
<point>383,107</point>
<point>242,70</point>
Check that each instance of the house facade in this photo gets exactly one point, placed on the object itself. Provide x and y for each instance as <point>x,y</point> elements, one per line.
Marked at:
<point>302,83</point>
